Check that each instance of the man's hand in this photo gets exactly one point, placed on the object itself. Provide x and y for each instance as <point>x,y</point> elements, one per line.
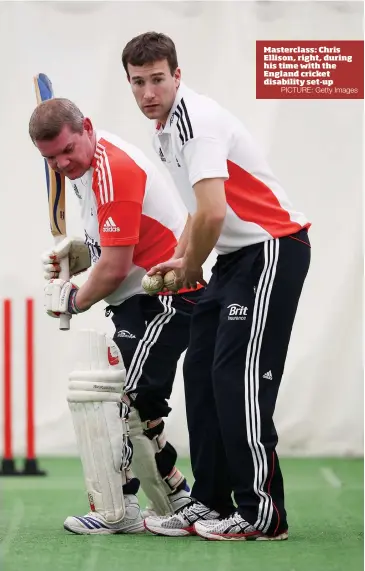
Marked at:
<point>60,297</point>
<point>188,277</point>
<point>78,256</point>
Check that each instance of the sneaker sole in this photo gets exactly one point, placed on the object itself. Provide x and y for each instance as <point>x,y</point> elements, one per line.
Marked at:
<point>215,536</point>
<point>170,532</point>
<point>138,528</point>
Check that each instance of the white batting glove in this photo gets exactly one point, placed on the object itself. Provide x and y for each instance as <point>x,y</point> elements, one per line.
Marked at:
<point>60,297</point>
<point>78,257</point>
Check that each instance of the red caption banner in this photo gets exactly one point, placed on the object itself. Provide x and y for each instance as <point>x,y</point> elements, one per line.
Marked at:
<point>310,70</point>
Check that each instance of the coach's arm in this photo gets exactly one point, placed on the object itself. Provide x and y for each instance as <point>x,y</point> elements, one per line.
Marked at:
<point>206,224</point>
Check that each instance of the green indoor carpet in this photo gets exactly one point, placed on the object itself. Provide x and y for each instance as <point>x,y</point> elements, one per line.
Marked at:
<point>324,500</point>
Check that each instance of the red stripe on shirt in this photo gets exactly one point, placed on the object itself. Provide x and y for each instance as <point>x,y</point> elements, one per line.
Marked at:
<point>156,243</point>
<point>253,201</point>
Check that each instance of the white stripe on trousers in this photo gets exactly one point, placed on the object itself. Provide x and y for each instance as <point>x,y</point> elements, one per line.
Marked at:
<point>252,381</point>
<point>148,340</point>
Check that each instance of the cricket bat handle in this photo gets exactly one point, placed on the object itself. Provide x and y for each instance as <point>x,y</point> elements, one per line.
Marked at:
<point>64,275</point>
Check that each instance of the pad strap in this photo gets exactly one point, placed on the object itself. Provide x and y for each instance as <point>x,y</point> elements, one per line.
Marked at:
<point>154,462</point>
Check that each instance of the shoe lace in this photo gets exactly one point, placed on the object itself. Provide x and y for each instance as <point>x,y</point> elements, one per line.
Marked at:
<point>187,509</point>
<point>237,519</point>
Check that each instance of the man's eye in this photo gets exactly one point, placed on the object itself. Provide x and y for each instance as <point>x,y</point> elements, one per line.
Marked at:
<point>157,80</point>
<point>138,82</point>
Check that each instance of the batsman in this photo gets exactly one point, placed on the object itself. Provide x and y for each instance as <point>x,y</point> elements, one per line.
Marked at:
<point>118,394</point>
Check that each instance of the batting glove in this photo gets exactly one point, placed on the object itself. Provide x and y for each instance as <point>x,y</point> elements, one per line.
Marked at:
<point>78,257</point>
<point>60,297</point>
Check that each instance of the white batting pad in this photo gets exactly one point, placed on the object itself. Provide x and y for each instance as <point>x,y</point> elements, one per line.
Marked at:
<point>145,468</point>
<point>95,391</point>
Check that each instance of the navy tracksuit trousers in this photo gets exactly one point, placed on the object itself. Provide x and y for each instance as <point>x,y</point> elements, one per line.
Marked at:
<point>239,339</point>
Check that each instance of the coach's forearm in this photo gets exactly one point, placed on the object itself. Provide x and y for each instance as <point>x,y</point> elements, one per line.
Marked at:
<point>183,241</point>
<point>205,229</point>
<point>102,282</point>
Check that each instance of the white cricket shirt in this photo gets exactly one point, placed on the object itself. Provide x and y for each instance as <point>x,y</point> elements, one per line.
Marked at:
<point>203,140</point>
<point>125,201</point>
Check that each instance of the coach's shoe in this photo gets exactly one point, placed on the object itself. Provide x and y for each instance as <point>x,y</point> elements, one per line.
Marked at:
<point>233,528</point>
<point>182,521</point>
<point>177,499</point>
<point>93,523</point>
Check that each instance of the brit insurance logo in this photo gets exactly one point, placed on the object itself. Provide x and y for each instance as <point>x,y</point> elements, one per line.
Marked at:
<point>237,312</point>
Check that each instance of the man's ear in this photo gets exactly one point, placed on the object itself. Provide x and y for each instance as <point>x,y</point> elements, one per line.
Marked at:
<point>177,76</point>
<point>88,126</point>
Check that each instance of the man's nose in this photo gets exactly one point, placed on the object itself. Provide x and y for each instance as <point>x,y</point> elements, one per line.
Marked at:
<point>62,162</point>
<point>149,94</point>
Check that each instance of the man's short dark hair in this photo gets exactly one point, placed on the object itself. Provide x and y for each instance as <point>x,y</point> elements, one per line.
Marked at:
<point>149,48</point>
<point>49,118</point>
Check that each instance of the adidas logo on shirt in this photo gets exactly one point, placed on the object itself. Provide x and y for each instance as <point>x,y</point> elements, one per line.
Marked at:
<point>110,226</point>
<point>267,375</point>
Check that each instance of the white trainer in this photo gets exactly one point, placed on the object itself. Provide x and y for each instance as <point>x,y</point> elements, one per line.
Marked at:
<point>93,523</point>
<point>182,521</point>
<point>178,500</point>
<point>233,528</point>
<point>149,511</point>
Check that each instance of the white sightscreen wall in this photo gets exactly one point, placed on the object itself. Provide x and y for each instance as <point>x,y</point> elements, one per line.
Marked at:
<point>315,148</point>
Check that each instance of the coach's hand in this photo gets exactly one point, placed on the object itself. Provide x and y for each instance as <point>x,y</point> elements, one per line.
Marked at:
<point>193,277</point>
<point>187,277</point>
<point>60,297</point>
<point>73,248</point>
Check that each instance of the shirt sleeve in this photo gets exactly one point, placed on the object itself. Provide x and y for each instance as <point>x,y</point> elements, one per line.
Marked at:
<point>205,157</point>
<point>119,223</point>
<point>119,185</point>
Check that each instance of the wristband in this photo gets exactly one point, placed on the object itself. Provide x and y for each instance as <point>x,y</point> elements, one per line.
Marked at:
<point>72,307</point>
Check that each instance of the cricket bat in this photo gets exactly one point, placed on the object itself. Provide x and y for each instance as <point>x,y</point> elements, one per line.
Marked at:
<point>56,193</point>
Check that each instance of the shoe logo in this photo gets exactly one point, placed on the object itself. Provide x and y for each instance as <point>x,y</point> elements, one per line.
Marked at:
<point>125,334</point>
<point>237,311</point>
<point>267,375</point>
<point>237,525</point>
<point>110,226</point>
<point>194,511</point>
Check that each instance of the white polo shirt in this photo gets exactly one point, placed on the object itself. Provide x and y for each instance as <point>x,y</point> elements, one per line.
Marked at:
<point>203,140</point>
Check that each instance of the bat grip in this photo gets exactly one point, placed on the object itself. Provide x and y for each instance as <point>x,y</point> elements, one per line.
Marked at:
<point>64,275</point>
